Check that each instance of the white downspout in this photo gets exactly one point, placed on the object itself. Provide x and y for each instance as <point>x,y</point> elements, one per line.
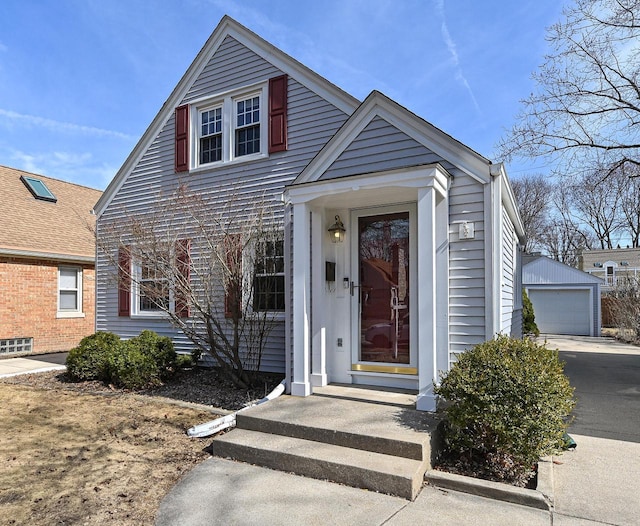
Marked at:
<point>220,424</point>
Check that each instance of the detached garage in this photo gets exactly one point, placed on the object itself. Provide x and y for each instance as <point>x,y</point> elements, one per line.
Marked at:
<point>565,300</point>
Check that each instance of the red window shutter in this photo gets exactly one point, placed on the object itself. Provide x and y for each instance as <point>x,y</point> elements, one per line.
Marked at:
<point>124,282</point>
<point>183,266</point>
<point>182,138</point>
<point>278,114</point>
<point>233,285</point>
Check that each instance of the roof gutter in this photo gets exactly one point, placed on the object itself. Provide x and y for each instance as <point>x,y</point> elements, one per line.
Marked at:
<point>31,254</point>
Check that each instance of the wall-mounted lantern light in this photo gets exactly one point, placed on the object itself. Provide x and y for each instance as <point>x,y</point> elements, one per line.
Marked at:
<point>337,231</point>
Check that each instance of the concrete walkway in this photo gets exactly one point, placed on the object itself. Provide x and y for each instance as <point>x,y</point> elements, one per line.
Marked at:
<point>596,484</point>
<point>38,363</point>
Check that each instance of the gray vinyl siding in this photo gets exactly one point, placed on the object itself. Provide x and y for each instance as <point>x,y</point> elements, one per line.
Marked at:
<point>544,273</point>
<point>379,147</point>
<point>312,121</point>
<point>467,324</point>
<point>509,322</point>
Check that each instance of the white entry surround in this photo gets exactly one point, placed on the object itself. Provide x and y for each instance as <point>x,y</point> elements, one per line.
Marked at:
<point>321,311</point>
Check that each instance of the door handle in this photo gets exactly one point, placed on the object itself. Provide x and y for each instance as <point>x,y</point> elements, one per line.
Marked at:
<point>353,286</point>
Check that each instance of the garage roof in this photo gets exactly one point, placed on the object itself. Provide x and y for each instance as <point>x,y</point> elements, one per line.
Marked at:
<point>541,270</point>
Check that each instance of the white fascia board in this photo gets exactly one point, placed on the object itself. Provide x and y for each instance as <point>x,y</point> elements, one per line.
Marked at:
<point>509,199</point>
<point>433,175</point>
<point>226,27</point>
<point>49,256</point>
<point>379,105</point>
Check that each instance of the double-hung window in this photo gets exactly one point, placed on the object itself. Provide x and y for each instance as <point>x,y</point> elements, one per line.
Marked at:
<point>69,292</point>
<point>247,133</point>
<point>154,291</point>
<point>268,289</point>
<point>229,128</point>
<point>211,135</point>
<point>156,283</point>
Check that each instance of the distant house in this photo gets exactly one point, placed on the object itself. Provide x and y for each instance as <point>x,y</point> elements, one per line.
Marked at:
<point>47,263</point>
<point>565,300</point>
<point>430,261</point>
<point>611,265</point>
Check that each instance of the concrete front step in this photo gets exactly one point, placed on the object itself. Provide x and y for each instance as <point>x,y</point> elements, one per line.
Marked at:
<point>362,469</point>
<point>376,427</point>
<point>371,440</point>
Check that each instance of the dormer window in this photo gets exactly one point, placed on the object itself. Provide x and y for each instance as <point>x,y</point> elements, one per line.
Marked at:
<point>38,189</point>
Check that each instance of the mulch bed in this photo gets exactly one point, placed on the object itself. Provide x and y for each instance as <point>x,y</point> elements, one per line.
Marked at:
<point>200,385</point>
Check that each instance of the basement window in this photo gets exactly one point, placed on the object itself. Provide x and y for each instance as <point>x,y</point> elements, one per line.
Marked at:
<point>16,345</point>
<point>38,189</point>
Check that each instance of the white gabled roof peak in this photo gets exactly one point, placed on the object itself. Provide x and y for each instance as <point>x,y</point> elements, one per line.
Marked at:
<point>226,27</point>
<point>377,104</point>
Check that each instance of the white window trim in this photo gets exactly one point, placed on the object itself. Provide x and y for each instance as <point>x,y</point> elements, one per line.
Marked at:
<point>227,102</point>
<point>274,314</point>
<point>77,313</point>
<point>136,312</point>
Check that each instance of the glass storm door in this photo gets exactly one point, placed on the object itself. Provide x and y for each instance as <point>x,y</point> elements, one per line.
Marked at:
<point>382,289</point>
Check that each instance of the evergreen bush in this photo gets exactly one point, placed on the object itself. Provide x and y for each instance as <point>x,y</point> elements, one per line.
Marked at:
<point>508,406</point>
<point>528,316</point>
<point>137,363</point>
<point>132,368</point>
<point>159,349</point>
<point>89,360</point>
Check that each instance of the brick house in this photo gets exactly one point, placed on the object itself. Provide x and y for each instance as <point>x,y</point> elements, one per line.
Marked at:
<point>47,263</point>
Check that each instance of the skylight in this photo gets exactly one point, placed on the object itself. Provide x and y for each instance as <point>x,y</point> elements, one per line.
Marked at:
<point>38,189</point>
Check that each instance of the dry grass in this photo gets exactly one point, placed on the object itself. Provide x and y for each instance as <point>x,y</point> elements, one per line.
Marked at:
<point>74,458</point>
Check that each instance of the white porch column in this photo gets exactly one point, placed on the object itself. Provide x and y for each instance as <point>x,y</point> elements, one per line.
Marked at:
<point>427,321</point>
<point>301,300</point>
<point>318,325</point>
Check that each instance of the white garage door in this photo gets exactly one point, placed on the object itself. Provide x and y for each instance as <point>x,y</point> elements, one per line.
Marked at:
<point>562,311</point>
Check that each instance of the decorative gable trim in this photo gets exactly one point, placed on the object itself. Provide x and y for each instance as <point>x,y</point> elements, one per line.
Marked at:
<point>379,105</point>
<point>226,27</point>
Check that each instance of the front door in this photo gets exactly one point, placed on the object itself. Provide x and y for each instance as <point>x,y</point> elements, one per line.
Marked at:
<point>382,291</point>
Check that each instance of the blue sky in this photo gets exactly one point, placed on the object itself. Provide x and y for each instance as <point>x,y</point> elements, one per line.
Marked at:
<point>80,80</point>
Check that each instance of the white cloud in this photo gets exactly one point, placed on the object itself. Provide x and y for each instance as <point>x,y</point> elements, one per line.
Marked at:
<point>80,168</point>
<point>3,48</point>
<point>453,51</point>
<point>60,127</point>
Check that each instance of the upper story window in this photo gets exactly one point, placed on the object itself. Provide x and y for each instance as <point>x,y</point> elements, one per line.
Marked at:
<point>247,136</point>
<point>69,292</point>
<point>211,136</point>
<point>239,125</point>
<point>229,129</point>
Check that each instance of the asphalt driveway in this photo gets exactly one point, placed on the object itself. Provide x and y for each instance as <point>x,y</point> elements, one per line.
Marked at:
<point>599,480</point>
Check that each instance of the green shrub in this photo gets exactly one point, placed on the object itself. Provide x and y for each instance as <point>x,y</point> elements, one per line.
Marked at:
<point>508,405</point>
<point>159,349</point>
<point>131,368</point>
<point>140,362</point>
<point>88,361</point>
<point>184,361</point>
<point>528,316</point>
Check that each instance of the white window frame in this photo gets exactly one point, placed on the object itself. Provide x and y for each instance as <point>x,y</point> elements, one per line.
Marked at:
<point>227,102</point>
<point>136,297</point>
<point>274,312</point>
<point>70,313</point>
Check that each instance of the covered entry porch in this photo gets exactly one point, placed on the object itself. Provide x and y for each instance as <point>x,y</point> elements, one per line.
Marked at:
<point>373,308</point>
